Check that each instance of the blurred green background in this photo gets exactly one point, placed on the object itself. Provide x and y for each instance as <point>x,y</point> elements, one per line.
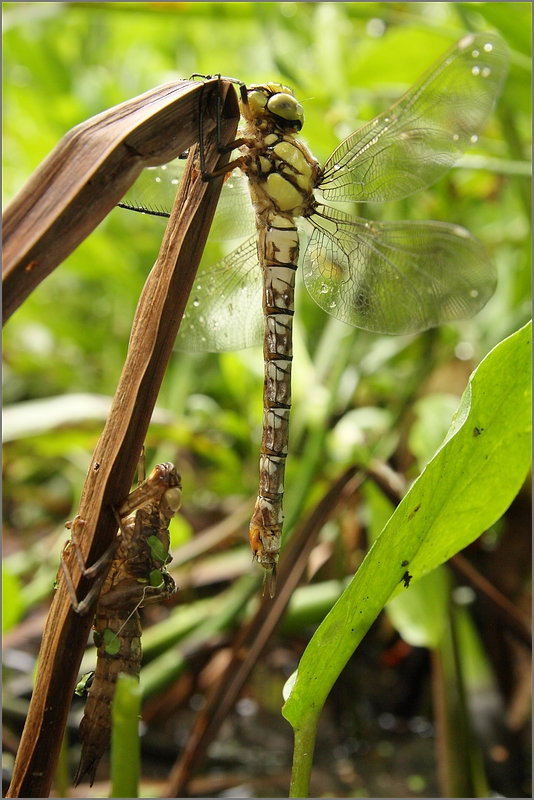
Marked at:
<point>374,396</point>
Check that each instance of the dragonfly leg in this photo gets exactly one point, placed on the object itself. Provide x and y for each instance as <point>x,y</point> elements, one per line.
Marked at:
<point>97,571</point>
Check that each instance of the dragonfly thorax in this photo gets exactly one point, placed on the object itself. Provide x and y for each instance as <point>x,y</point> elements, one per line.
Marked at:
<point>281,169</point>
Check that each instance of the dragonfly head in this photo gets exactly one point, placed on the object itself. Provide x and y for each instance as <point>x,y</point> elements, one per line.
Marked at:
<point>275,101</point>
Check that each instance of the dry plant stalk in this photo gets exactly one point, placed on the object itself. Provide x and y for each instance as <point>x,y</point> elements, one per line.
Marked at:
<point>87,174</point>
<point>154,329</point>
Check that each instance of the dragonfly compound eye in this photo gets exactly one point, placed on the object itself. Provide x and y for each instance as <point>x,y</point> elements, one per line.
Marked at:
<point>171,501</point>
<point>287,107</point>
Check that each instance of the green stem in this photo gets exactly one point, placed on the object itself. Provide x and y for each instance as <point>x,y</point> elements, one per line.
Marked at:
<point>125,746</point>
<point>303,755</point>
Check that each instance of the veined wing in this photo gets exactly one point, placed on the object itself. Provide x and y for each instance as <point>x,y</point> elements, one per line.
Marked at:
<point>416,141</point>
<point>224,311</point>
<point>155,190</point>
<point>395,277</point>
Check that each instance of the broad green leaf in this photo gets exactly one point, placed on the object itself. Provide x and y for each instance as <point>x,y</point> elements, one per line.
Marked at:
<point>464,489</point>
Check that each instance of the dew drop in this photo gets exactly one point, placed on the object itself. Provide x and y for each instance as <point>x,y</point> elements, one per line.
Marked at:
<point>158,180</point>
<point>473,293</point>
<point>485,72</point>
<point>199,287</point>
<point>476,70</point>
<point>163,166</point>
<point>324,289</point>
<point>174,181</point>
<point>455,137</point>
<point>475,53</point>
<point>195,302</point>
<point>333,304</point>
<point>474,138</point>
<point>488,47</point>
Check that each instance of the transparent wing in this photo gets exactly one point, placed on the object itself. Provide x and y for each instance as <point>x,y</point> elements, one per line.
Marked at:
<point>416,141</point>
<point>155,190</point>
<point>395,277</point>
<point>224,311</point>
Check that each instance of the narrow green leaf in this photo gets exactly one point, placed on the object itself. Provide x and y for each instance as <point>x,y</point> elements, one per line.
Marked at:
<point>125,747</point>
<point>464,489</point>
<point>461,756</point>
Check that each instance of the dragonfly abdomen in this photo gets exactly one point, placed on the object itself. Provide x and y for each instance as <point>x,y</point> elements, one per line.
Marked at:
<point>278,254</point>
<point>124,642</point>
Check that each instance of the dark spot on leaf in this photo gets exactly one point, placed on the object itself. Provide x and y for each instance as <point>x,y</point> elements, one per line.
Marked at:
<point>406,578</point>
<point>477,431</point>
<point>414,512</point>
<point>405,563</point>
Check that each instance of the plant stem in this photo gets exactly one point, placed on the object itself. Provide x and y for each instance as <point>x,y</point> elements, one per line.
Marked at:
<point>125,745</point>
<point>303,755</point>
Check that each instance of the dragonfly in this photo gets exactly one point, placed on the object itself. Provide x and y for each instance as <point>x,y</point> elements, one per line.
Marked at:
<point>130,574</point>
<point>384,277</point>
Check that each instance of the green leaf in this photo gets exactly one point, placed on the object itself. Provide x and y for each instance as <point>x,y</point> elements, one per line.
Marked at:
<point>464,489</point>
